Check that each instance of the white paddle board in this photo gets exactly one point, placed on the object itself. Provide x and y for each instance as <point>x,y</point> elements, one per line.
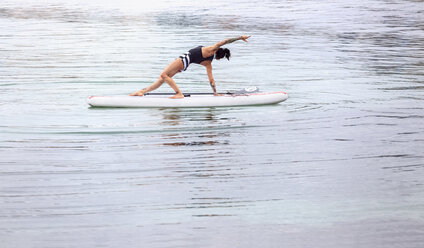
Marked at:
<point>190,100</point>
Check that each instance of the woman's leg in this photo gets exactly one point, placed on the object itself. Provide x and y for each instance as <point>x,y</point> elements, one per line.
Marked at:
<point>165,76</point>
<point>153,86</point>
<point>169,72</point>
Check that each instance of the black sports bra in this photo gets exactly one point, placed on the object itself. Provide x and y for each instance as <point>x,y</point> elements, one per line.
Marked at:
<point>196,55</point>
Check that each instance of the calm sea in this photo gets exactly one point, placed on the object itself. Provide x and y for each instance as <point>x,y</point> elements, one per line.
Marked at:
<point>339,164</point>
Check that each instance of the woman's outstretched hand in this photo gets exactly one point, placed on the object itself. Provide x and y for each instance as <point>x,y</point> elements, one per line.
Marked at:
<point>244,37</point>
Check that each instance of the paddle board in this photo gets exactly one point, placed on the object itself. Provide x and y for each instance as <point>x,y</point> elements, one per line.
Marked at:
<point>162,100</point>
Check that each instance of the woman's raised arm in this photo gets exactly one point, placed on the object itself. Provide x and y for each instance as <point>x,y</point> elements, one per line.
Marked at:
<point>230,40</point>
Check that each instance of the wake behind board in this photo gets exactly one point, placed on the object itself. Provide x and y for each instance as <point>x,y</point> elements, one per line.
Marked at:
<point>190,100</point>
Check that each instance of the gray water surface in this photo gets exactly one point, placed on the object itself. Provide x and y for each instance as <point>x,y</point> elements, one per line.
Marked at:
<point>339,164</point>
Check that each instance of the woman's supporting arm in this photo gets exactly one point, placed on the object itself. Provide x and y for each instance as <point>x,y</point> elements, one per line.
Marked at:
<point>211,80</point>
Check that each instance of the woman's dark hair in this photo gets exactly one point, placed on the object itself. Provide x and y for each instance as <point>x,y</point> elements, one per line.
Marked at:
<point>223,52</point>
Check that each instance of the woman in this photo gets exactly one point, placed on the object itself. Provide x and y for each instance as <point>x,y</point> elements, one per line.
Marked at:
<point>199,55</point>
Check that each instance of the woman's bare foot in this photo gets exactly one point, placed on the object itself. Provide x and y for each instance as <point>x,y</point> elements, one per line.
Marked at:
<point>138,93</point>
<point>177,96</point>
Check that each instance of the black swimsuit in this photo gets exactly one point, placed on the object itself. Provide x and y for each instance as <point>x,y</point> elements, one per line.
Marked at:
<point>194,56</point>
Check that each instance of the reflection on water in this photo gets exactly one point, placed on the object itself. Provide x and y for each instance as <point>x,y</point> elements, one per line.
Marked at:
<point>341,158</point>
<point>204,118</point>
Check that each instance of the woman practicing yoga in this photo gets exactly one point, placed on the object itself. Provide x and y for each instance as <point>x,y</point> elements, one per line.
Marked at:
<point>198,55</point>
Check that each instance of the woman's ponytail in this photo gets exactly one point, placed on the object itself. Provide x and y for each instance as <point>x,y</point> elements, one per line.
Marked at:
<point>227,53</point>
